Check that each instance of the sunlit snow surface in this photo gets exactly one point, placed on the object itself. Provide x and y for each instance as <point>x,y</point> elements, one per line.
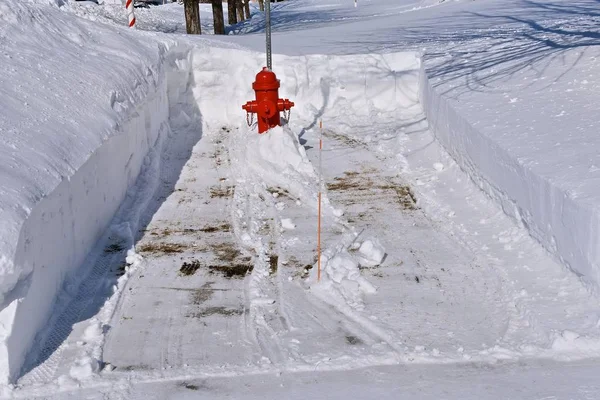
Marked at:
<point>204,284</point>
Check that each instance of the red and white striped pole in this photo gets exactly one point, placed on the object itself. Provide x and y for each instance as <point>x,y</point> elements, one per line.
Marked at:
<point>130,14</point>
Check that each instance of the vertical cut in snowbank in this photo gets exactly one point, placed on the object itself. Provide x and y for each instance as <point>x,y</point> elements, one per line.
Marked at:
<point>352,90</point>
<point>76,131</point>
<point>567,226</point>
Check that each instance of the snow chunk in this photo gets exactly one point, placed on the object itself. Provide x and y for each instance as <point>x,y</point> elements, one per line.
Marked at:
<point>372,252</point>
<point>341,280</point>
<point>567,340</point>
<point>571,345</point>
<point>342,266</point>
<point>288,224</point>
<point>93,332</point>
<point>84,368</point>
<point>133,259</point>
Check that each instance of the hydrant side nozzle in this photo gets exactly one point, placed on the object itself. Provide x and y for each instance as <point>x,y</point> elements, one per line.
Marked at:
<point>250,106</point>
<point>284,104</point>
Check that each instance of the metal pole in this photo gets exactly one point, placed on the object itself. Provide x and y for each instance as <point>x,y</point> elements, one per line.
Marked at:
<point>268,32</point>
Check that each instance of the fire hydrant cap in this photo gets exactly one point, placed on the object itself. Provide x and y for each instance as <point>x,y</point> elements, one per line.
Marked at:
<point>266,80</point>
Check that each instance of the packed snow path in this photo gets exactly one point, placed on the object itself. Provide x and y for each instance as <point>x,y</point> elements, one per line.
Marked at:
<point>201,285</point>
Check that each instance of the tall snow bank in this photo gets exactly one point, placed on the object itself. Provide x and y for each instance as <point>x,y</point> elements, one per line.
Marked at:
<point>352,90</point>
<point>530,146</point>
<point>81,106</point>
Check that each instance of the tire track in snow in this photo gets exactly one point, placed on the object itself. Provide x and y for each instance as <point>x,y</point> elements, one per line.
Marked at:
<point>274,313</point>
<point>536,289</point>
<point>175,317</point>
<point>379,200</point>
<point>255,225</point>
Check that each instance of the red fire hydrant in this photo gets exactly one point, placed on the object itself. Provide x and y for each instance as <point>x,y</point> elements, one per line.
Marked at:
<point>267,105</point>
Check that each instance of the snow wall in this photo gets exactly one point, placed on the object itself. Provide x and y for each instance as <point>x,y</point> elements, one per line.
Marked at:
<point>566,226</point>
<point>76,131</point>
<point>350,90</point>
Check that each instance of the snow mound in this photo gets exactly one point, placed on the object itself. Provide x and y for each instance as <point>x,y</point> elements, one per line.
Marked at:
<point>574,346</point>
<point>281,161</point>
<point>341,280</point>
<point>279,150</point>
<point>372,252</point>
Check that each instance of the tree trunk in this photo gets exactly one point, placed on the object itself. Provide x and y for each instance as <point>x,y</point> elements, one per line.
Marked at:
<point>232,12</point>
<point>261,4</point>
<point>247,8</point>
<point>217,7</point>
<point>240,10</point>
<point>192,16</point>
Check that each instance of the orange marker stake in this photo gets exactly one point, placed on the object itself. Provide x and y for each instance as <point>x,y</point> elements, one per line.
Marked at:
<point>319,208</point>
